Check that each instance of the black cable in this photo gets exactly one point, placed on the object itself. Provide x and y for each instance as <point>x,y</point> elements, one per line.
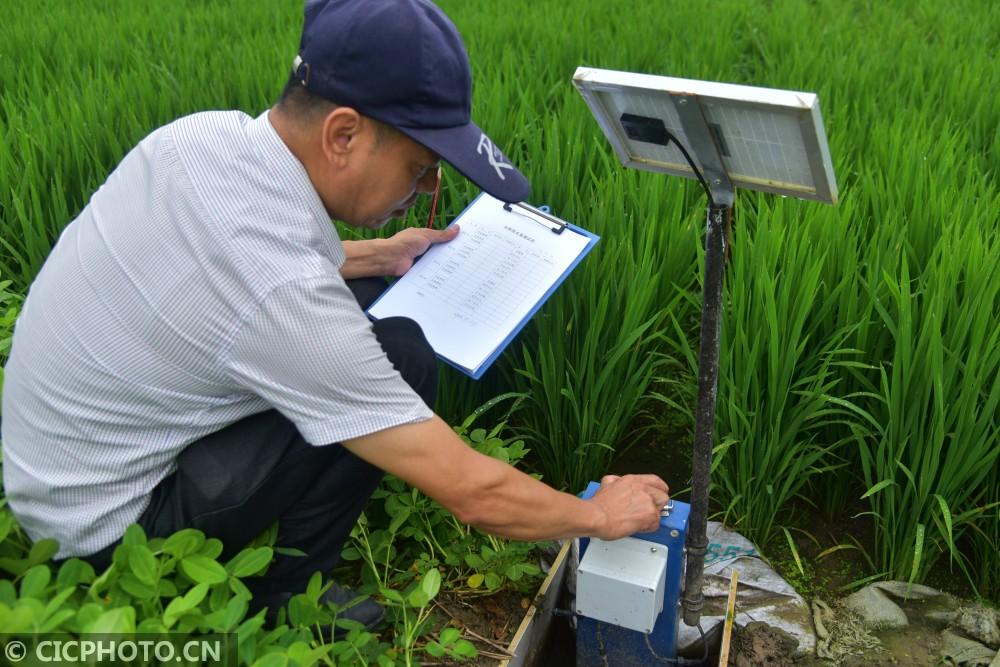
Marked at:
<point>704,184</point>
<point>694,167</point>
<point>683,661</point>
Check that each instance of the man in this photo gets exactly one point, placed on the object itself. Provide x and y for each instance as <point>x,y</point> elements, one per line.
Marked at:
<point>193,350</point>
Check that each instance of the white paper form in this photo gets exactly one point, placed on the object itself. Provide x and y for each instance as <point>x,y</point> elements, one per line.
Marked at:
<point>469,294</point>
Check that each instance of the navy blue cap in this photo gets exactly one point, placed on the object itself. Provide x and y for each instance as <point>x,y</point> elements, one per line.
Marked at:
<point>403,62</point>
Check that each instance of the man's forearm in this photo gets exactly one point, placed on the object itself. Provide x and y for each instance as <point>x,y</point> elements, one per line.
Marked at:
<point>502,500</point>
<point>511,504</point>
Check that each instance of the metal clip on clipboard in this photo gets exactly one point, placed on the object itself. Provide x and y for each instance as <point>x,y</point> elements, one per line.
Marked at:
<point>555,225</point>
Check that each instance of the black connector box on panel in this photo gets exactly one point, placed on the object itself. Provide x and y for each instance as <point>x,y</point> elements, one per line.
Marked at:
<point>645,128</point>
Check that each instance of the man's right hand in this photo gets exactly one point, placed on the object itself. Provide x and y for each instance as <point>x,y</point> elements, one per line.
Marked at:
<point>499,499</point>
<point>631,504</point>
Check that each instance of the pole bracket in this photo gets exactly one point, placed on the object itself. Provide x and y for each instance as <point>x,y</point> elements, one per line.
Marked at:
<point>704,143</point>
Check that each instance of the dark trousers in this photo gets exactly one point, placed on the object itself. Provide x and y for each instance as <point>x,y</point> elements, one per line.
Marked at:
<point>236,482</point>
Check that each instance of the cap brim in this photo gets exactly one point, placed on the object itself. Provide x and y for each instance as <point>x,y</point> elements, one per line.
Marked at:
<point>470,151</point>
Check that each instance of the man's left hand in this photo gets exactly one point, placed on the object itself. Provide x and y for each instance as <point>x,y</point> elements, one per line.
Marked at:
<point>392,256</point>
<point>403,248</point>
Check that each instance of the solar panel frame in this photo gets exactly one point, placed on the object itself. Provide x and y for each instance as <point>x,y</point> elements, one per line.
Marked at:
<point>802,135</point>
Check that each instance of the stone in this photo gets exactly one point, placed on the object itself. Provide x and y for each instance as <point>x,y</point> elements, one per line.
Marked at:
<point>876,609</point>
<point>965,652</point>
<point>981,623</point>
<point>905,591</point>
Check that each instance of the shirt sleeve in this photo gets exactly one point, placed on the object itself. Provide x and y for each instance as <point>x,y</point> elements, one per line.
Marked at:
<point>310,352</point>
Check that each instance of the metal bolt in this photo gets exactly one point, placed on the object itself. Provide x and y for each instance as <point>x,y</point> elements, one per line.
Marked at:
<point>652,549</point>
<point>683,100</point>
<point>675,533</point>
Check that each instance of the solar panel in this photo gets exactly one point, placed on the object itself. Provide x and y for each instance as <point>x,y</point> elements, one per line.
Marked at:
<point>768,139</point>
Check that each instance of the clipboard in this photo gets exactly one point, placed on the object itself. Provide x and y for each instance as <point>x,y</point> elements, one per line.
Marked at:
<point>473,295</point>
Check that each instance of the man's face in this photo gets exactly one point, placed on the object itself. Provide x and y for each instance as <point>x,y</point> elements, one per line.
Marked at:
<point>388,175</point>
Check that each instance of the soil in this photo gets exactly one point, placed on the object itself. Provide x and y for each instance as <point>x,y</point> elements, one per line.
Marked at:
<point>760,645</point>
<point>489,622</point>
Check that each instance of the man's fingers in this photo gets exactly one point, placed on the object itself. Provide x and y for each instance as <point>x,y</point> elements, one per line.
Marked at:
<point>445,235</point>
<point>654,481</point>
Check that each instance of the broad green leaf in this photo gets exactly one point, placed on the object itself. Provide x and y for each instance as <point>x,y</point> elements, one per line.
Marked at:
<point>118,620</point>
<point>134,535</point>
<point>315,586</point>
<point>35,581</point>
<point>142,562</point>
<point>290,551</point>
<point>250,561</point>
<point>195,595</point>
<point>8,594</point>
<point>42,550</point>
<point>431,583</point>
<point>55,621</point>
<point>463,648</point>
<point>7,521</point>
<point>184,542</point>
<point>136,588</point>
<point>350,554</point>
<point>218,598</point>
<point>398,520</point>
<point>417,598</point>
<point>181,605</point>
<point>88,613</point>
<point>22,618</point>
<point>239,589</point>
<point>166,588</point>
<point>236,609</point>
<point>73,572</point>
<point>391,594</point>
<point>212,548</point>
<point>175,608</point>
<point>203,570</point>
<point>15,566</point>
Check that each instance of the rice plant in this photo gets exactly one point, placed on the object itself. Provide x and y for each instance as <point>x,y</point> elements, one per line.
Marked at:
<point>927,465</point>
<point>780,373</point>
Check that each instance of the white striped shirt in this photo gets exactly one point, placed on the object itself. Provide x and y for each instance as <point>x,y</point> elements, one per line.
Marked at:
<point>200,285</point>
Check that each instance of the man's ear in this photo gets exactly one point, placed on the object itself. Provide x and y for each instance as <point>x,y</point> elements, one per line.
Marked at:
<point>342,128</point>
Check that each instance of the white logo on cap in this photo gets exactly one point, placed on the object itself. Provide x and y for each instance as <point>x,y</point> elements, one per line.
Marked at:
<point>494,155</point>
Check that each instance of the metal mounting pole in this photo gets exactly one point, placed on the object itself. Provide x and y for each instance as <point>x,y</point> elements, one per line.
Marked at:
<point>708,380</point>
<point>704,144</point>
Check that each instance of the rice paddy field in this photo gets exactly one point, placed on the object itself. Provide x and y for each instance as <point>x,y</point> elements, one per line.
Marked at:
<point>860,363</point>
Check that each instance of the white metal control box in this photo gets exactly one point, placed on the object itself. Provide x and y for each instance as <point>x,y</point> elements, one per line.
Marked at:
<point>622,582</point>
